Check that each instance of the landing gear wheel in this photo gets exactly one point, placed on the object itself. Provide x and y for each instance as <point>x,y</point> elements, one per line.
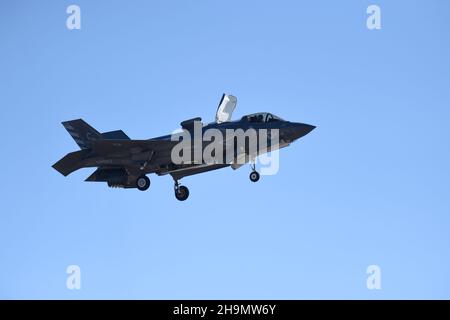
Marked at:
<point>143,183</point>
<point>181,193</point>
<point>254,176</point>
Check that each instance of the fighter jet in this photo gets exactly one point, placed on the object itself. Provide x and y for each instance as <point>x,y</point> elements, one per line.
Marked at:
<point>125,163</point>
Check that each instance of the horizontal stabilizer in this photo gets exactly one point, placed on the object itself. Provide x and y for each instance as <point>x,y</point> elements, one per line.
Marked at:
<point>71,162</point>
<point>115,135</point>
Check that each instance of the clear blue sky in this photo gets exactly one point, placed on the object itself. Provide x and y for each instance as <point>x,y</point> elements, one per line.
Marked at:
<point>369,186</point>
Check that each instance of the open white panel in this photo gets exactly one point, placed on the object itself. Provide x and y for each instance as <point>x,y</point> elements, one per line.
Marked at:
<point>226,107</point>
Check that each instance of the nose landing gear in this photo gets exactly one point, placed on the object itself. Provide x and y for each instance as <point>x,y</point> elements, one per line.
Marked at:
<point>254,175</point>
<point>181,192</point>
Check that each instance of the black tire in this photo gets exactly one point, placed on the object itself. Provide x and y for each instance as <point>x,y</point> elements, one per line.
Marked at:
<point>254,176</point>
<point>142,183</point>
<point>182,193</point>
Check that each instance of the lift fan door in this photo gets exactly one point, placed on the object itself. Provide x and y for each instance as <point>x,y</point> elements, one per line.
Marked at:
<point>226,107</point>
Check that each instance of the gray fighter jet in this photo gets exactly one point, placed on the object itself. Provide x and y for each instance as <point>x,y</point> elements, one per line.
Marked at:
<point>125,163</point>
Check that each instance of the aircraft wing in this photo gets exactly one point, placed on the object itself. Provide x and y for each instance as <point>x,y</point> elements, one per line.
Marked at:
<point>236,165</point>
<point>195,169</point>
<point>131,146</point>
<point>240,155</point>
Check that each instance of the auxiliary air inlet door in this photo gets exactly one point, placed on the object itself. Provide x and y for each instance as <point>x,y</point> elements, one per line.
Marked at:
<point>226,107</point>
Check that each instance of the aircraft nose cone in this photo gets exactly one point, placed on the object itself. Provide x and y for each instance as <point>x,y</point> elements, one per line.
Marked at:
<point>299,130</point>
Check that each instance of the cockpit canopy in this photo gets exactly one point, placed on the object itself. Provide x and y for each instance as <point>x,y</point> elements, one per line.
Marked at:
<point>261,117</point>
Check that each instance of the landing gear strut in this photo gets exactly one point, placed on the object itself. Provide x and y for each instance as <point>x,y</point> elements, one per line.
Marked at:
<point>181,192</point>
<point>254,175</point>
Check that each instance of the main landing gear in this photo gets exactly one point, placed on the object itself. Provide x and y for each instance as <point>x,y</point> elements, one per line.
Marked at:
<point>181,192</point>
<point>143,183</point>
<point>254,175</point>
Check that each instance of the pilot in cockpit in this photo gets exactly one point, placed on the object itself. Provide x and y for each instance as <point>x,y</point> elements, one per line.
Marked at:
<point>259,118</point>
